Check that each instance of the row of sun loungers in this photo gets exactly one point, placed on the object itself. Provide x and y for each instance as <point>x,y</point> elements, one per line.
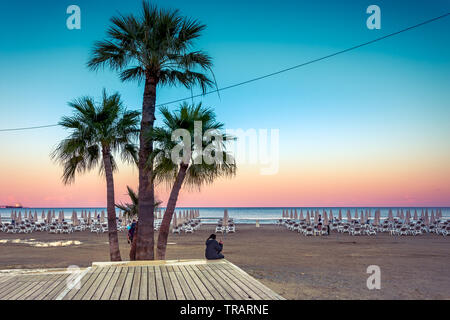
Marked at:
<point>396,227</point>
<point>188,227</point>
<point>229,228</point>
<point>56,227</point>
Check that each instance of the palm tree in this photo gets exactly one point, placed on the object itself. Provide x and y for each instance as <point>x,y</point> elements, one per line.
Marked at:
<point>97,132</point>
<point>192,170</point>
<point>130,209</point>
<point>155,48</point>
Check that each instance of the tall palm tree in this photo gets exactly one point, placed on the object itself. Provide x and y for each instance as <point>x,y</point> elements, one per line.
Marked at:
<point>192,170</point>
<point>97,132</point>
<point>156,48</point>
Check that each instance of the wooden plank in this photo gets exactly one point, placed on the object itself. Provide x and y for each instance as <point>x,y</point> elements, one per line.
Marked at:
<point>196,293</point>
<point>106,295</point>
<point>5,278</point>
<point>220,284</point>
<point>273,295</point>
<point>29,284</point>
<point>7,289</point>
<point>55,292</point>
<point>179,294</point>
<point>22,283</point>
<point>126,289</point>
<point>117,290</point>
<point>84,284</point>
<point>187,289</point>
<point>160,289</point>
<point>135,286</point>
<point>253,294</point>
<point>247,287</point>
<point>48,282</point>
<point>102,272</point>
<point>152,285</point>
<point>215,292</point>
<point>263,293</point>
<point>8,282</point>
<point>229,283</point>
<point>54,284</point>
<point>30,292</point>
<point>170,294</point>
<point>189,273</point>
<point>104,283</point>
<point>143,286</point>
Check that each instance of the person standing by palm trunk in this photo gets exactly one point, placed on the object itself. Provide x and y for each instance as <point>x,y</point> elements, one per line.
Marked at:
<point>193,170</point>
<point>99,131</point>
<point>154,48</point>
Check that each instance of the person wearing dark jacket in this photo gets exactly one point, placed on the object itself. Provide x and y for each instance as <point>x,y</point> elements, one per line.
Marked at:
<point>213,248</point>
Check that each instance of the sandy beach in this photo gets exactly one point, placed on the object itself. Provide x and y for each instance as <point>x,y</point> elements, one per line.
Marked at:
<point>297,267</point>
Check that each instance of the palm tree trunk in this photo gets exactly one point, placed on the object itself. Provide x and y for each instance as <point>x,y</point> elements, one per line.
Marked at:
<point>114,250</point>
<point>171,204</point>
<point>145,239</point>
<point>133,244</point>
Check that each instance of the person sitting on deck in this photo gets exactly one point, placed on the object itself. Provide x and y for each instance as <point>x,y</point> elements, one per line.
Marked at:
<point>213,248</point>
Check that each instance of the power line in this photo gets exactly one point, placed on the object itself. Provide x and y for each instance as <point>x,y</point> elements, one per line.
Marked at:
<point>270,74</point>
<point>29,128</point>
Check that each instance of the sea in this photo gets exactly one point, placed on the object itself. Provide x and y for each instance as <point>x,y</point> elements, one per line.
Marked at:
<point>247,215</point>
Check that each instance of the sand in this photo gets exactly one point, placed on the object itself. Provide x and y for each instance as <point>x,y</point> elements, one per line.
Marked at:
<point>297,267</point>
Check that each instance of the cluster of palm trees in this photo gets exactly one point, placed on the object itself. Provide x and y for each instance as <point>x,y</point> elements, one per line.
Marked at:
<point>155,48</point>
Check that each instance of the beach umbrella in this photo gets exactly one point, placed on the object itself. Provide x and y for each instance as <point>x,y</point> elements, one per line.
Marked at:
<point>19,219</point>
<point>331,215</point>
<point>102,217</point>
<point>316,217</point>
<point>43,215</point>
<point>283,214</point>
<point>349,216</point>
<point>0,218</point>
<point>325,218</point>
<point>225,218</point>
<point>415,215</point>
<point>432,219</point>
<point>356,214</point>
<point>340,215</point>
<point>291,216</point>
<point>422,214</point>
<point>301,214</point>
<point>296,215</point>
<point>390,215</point>
<point>308,219</point>
<point>408,217</point>
<point>35,216</point>
<point>426,218</point>
<point>89,218</point>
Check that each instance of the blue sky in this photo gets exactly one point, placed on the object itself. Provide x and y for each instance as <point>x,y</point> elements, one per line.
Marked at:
<point>389,98</point>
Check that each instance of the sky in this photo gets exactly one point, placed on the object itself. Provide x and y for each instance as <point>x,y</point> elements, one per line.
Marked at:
<point>364,128</point>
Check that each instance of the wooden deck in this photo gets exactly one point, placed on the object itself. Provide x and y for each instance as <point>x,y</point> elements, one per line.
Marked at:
<point>140,280</point>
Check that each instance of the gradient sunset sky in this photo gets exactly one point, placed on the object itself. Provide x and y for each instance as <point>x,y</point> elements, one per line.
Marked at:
<point>365,128</point>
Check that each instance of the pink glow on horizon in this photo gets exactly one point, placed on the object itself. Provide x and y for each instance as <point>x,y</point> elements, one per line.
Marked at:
<point>306,185</point>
